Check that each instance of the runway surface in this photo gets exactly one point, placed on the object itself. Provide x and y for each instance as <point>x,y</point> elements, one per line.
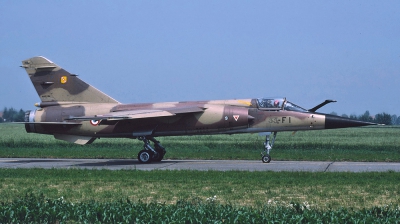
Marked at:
<point>220,165</point>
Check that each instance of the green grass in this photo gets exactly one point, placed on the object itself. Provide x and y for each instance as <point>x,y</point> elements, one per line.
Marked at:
<point>39,209</point>
<point>73,195</point>
<point>241,188</point>
<point>352,144</point>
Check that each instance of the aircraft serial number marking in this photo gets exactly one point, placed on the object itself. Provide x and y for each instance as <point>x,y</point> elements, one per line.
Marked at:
<point>278,120</point>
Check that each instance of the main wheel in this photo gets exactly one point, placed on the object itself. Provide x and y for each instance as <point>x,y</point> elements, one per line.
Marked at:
<point>158,157</point>
<point>160,154</point>
<point>144,156</point>
<point>266,159</point>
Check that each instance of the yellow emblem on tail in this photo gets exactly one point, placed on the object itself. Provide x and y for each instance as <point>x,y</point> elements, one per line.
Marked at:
<point>63,79</point>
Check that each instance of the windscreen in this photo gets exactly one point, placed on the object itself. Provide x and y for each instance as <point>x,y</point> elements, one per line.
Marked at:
<point>293,107</point>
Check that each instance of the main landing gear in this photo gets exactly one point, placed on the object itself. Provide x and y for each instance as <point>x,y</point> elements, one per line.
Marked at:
<point>265,157</point>
<point>150,154</point>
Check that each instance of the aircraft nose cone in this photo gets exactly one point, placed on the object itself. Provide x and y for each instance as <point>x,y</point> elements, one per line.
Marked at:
<point>332,122</point>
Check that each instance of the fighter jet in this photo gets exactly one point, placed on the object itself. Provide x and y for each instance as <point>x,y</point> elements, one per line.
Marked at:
<point>74,111</point>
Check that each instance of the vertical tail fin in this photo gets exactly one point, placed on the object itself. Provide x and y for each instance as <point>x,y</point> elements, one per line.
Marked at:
<point>54,84</point>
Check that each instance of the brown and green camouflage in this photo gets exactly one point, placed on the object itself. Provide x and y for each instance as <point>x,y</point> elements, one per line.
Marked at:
<point>72,110</point>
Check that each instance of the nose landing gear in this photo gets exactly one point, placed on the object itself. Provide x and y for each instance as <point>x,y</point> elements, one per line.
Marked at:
<point>268,144</point>
<point>150,154</point>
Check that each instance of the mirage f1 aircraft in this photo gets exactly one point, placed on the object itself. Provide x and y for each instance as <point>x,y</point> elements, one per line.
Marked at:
<point>74,111</point>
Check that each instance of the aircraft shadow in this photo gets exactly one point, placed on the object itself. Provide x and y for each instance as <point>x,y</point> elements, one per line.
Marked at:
<point>111,163</point>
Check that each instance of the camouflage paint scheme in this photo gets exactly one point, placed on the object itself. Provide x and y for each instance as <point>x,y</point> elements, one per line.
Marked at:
<point>75,111</point>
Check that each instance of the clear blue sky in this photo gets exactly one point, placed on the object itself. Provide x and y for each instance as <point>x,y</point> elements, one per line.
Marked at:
<point>155,51</point>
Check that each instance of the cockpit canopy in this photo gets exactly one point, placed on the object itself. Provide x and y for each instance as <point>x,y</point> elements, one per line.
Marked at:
<point>278,104</point>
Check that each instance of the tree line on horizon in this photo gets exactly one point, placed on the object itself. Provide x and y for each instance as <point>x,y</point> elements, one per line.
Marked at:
<point>381,118</point>
<point>13,115</point>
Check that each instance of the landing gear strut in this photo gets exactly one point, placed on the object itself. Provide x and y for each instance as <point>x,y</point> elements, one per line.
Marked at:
<point>268,144</point>
<point>149,154</point>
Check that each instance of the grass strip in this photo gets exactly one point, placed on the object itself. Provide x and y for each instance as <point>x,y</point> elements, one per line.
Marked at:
<point>241,188</point>
<point>38,209</point>
<point>353,144</point>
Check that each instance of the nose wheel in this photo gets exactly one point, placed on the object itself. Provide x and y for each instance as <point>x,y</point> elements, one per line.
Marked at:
<point>268,144</point>
<point>266,159</point>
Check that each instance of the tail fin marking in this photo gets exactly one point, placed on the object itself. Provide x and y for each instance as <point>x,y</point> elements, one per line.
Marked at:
<point>54,84</point>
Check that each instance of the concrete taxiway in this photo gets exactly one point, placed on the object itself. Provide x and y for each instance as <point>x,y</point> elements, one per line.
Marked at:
<point>220,165</point>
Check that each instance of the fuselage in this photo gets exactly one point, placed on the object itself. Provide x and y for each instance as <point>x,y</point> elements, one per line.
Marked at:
<point>218,117</point>
<point>74,111</point>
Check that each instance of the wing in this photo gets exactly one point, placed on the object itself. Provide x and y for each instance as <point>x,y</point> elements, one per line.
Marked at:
<point>140,114</point>
<point>49,123</point>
